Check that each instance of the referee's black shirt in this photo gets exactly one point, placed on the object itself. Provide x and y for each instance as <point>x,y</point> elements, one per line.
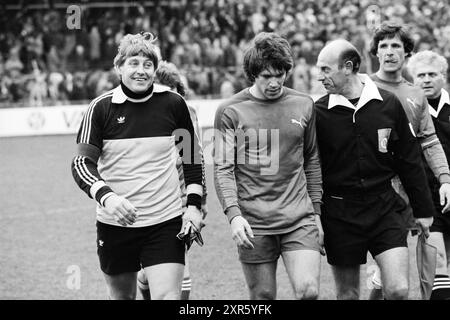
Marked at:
<point>363,147</point>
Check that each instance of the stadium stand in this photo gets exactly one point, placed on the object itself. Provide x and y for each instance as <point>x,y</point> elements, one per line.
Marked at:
<point>43,62</point>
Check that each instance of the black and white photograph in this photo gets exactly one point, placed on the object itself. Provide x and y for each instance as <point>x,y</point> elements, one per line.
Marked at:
<point>225,151</point>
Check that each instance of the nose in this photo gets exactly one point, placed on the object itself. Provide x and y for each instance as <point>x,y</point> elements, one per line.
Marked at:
<point>320,77</point>
<point>140,69</point>
<point>426,78</point>
<point>389,51</point>
<point>274,82</point>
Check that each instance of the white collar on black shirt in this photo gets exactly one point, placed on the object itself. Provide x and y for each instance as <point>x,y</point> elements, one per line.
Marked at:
<point>445,99</point>
<point>369,92</point>
<point>120,97</point>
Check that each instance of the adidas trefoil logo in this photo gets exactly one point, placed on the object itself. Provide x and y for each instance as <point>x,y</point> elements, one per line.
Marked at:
<point>121,120</point>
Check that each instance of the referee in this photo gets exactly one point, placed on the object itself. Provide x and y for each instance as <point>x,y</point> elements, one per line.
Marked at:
<point>364,140</point>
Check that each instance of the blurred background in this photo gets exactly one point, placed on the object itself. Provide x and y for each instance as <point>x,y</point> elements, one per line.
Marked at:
<point>45,60</point>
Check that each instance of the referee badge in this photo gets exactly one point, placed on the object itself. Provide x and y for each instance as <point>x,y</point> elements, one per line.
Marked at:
<point>383,138</point>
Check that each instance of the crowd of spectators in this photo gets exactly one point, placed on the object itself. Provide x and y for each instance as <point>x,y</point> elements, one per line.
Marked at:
<point>43,62</point>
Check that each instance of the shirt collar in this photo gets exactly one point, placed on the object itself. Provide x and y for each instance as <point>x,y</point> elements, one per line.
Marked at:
<point>369,92</point>
<point>445,99</point>
<point>120,97</point>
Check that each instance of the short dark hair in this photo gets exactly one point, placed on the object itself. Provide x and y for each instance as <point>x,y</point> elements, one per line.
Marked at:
<point>352,55</point>
<point>389,30</point>
<point>267,50</point>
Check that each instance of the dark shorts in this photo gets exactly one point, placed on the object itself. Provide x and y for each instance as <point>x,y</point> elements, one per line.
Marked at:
<point>356,225</point>
<point>124,249</point>
<point>267,248</point>
<point>441,222</point>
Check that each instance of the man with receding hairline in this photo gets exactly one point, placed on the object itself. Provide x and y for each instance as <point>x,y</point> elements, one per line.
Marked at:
<point>364,140</point>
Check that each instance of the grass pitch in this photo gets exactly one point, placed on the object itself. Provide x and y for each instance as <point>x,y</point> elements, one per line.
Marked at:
<point>48,235</point>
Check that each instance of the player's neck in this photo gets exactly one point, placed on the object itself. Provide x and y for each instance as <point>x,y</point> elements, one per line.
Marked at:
<point>390,76</point>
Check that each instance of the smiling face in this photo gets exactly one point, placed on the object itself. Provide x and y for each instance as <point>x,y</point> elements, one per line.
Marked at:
<point>391,55</point>
<point>269,84</point>
<point>429,78</point>
<point>137,73</point>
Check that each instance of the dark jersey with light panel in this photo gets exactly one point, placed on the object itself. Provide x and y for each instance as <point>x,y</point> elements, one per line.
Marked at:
<point>129,146</point>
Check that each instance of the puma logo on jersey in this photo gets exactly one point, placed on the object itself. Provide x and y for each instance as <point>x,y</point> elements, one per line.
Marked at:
<point>100,243</point>
<point>297,122</point>
<point>121,120</point>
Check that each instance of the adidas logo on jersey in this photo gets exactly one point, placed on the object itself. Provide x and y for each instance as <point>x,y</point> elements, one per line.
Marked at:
<point>121,120</point>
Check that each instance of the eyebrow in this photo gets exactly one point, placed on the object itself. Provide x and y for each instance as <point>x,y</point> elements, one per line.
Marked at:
<point>270,74</point>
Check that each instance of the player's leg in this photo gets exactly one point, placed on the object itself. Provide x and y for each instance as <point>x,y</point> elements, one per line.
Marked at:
<point>447,250</point>
<point>142,284</point>
<point>347,281</point>
<point>303,269</point>
<point>376,293</point>
<point>118,252</point>
<point>301,255</point>
<point>165,280</point>
<point>261,280</point>
<point>394,267</point>
<point>121,286</point>
<point>441,285</point>
<point>187,282</point>
<point>436,239</point>
<point>389,246</point>
<point>162,258</point>
<point>345,243</point>
<point>260,265</point>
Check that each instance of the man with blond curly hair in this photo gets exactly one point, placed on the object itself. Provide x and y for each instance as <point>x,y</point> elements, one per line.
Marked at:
<point>127,161</point>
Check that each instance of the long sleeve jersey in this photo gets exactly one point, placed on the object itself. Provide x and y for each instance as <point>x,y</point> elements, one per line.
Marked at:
<point>363,147</point>
<point>129,147</point>
<point>197,129</point>
<point>266,160</point>
<point>415,105</point>
<point>440,113</point>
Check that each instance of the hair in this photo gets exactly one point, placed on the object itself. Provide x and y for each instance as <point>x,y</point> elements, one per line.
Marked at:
<point>429,58</point>
<point>267,50</point>
<point>136,44</point>
<point>352,55</point>
<point>168,74</point>
<point>388,30</point>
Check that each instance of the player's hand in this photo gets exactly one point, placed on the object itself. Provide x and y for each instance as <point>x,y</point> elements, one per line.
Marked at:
<point>424,225</point>
<point>121,209</point>
<point>321,234</point>
<point>444,194</point>
<point>240,231</point>
<point>195,216</point>
<point>204,211</point>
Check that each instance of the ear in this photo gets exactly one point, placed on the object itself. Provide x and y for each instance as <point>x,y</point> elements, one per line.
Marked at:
<point>118,71</point>
<point>348,67</point>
